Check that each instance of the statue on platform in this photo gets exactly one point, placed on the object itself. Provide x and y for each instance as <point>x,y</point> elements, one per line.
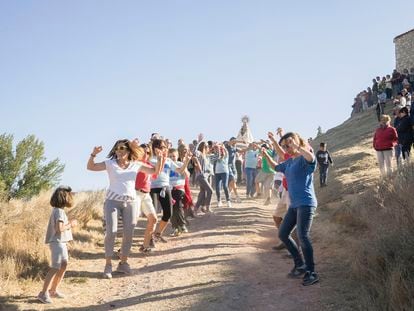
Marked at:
<point>245,135</point>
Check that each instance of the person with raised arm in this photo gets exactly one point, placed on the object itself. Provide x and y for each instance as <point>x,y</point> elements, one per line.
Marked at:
<point>299,171</point>
<point>122,166</point>
<point>160,187</point>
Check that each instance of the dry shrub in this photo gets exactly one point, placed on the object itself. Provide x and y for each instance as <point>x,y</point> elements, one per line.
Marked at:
<point>383,265</point>
<point>23,253</point>
<point>88,206</point>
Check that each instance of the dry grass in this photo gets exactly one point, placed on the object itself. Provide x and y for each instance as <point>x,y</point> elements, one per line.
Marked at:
<point>365,225</point>
<point>23,253</point>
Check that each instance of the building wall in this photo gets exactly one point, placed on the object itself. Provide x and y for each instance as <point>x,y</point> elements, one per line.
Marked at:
<point>404,51</point>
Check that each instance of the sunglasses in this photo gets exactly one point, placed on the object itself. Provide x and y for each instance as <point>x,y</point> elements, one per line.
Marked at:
<point>121,148</point>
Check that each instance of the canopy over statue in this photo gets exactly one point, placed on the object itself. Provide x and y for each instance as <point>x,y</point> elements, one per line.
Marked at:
<point>245,134</point>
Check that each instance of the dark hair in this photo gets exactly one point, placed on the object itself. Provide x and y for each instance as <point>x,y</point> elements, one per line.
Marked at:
<point>62,197</point>
<point>202,146</point>
<point>403,110</point>
<point>322,145</point>
<point>294,136</point>
<point>158,144</point>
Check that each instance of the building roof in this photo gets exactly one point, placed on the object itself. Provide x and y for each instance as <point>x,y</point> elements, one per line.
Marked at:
<point>403,34</point>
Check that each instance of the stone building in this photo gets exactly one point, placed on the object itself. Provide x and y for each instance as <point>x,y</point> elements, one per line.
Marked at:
<point>404,50</point>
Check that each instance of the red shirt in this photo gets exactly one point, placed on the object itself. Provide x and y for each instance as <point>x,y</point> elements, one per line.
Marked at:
<point>385,138</point>
<point>143,180</point>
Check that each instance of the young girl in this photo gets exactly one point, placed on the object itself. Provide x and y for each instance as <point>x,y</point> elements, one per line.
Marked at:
<point>202,165</point>
<point>222,173</point>
<point>177,184</point>
<point>143,188</point>
<point>57,235</point>
<point>160,187</point>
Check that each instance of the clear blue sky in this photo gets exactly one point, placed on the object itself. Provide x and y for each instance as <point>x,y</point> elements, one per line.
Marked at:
<point>83,73</point>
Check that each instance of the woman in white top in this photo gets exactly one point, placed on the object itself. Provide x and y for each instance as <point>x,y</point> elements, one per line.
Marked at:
<point>122,167</point>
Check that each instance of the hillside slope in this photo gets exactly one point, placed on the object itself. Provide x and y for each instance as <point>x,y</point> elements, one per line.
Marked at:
<point>350,219</point>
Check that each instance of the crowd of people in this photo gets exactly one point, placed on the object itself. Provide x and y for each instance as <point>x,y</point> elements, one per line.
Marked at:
<point>145,178</point>
<point>395,89</point>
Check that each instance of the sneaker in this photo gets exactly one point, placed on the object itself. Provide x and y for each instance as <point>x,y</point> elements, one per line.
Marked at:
<point>297,271</point>
<point>144,249</point>
<point>158,238</point>
<point>219,204</point>
<point>123,267</point>
<point>184,229</point>
<point>228,204</point>
<point>176,232</point>
<point>43,297</point>
<point>279,247</point>
<point>108,272</point>
<point>151,243</point>
<point>56,294</point>
<point>267,202</point>
<point>310,278</point>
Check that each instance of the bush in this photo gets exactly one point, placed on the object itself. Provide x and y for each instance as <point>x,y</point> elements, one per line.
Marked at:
<point>383,265</point>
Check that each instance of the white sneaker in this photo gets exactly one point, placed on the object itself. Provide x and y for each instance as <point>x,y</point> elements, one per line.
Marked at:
<point>228,204</point>
<point>108,272</point>
<point>219,204</point>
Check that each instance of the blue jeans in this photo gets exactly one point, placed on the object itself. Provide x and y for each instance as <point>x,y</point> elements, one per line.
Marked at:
<point>323,174</point>
<point>300,217</point>
<point>222,178</point>
<point>250,179</point>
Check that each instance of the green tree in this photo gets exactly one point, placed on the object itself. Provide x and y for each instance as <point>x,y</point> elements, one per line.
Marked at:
<point>319,133</point>
<point>23,172</point>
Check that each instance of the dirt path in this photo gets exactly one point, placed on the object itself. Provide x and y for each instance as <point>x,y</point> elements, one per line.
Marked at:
<point>224,263</point>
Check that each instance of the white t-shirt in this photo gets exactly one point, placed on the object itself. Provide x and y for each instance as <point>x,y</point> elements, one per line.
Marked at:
<point>177,179</point>
<point>121,181</point>
<point>163,178</point>
<point>58,215</point>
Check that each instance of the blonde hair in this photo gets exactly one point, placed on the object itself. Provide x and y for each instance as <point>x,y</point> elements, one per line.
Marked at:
<point>181,149</point>
<point>386,118</point>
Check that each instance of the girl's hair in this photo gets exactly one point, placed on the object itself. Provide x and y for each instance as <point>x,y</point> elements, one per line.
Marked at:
<point>158,144</point>
<point>134,153</point>
<point>202,146</point>
<point>62,197</point>
<point>147,149</point>
<point>295,136</point>
<point>181,149</point>
<point>172,150</point>
<point>385,118</point>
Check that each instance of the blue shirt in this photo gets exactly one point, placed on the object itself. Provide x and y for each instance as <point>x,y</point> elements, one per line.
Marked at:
<point>299,176</point>
<point>232,154</point>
